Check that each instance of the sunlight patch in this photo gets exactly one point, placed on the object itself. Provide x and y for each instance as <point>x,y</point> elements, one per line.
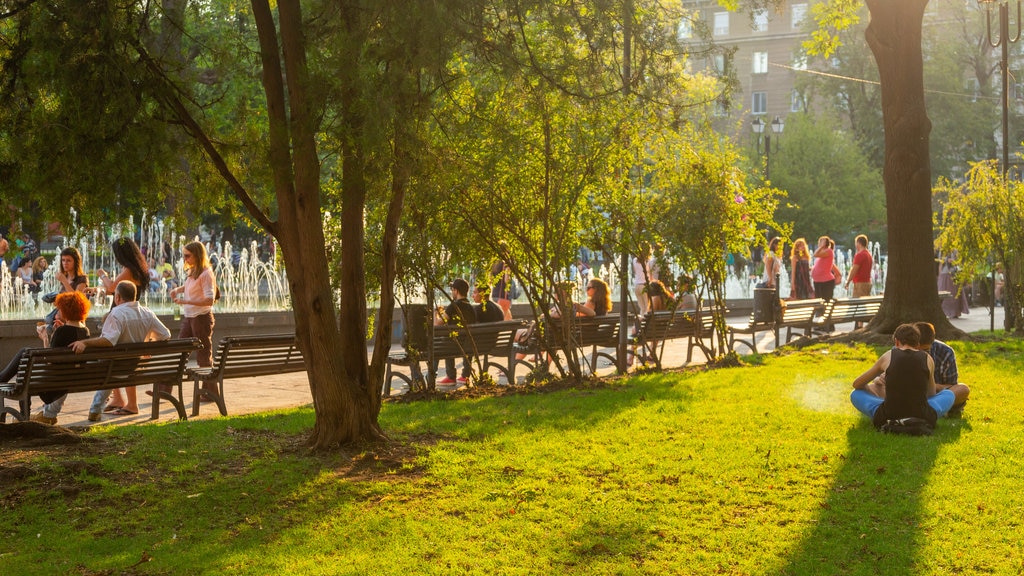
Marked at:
<point>822,394</point>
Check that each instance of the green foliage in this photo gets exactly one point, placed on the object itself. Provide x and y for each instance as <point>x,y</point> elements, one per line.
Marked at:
<point>754,470</point>
<point>831,188</point>
<point>982,222</point>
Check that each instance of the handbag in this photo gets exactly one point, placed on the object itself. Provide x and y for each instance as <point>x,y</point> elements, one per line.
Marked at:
<point>907,426</point>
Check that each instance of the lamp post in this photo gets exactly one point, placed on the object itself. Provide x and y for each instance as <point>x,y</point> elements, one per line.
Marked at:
<point>1003,41</point>
<point>776,127</point>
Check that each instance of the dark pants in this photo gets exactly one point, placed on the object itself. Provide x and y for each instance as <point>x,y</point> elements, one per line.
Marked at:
<point>200,327</point>
<point>825,290</point>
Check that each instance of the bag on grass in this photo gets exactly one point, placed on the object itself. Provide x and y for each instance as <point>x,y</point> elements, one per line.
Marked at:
<point>907,427</point>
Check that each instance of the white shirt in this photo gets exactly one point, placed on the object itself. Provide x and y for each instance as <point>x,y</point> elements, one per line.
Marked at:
<point>130,322</point>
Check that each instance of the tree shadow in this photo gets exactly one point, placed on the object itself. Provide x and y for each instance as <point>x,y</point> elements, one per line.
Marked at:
<point>870,521</point>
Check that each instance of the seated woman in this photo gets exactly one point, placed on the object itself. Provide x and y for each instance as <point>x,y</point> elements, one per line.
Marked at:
<point>72,309</point>
<point>597,304</point>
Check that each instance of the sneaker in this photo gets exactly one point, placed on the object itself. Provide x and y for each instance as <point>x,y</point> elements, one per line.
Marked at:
<point>462,380</point>
<point>40,417</point>
<point>95,416</point>
<point>446,381</point>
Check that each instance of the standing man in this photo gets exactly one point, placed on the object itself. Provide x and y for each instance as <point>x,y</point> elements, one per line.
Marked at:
<point>860,272</point>
<point>127,322</point>
<point>486,309</point>
<point>459,313</point>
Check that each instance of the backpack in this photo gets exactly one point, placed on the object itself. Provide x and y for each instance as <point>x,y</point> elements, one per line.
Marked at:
<point>907,427</point>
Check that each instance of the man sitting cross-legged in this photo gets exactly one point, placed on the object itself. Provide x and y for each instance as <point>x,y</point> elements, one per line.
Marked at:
<point>908,390</point>
<point>946,374</point>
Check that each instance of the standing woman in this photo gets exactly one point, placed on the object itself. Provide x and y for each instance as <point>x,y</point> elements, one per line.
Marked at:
<point>134,270</point>
<point>800,271</point>
<point>821,272</point>
<point>772,262</point>
<point>196,297</point>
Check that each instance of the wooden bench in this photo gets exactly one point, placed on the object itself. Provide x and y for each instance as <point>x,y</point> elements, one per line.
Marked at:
<point>798,314</point>
<point>485,339</point>
<point>594,332</point>
<point>160,364</point>
<point>861,309</point>
<point>244,357</point>
<point>696,325</point>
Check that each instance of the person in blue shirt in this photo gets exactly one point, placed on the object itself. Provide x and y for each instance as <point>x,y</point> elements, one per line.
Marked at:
<point>947,377</point>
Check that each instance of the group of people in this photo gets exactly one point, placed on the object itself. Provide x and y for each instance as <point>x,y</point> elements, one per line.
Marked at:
<point>916,378</point>
<point>815,275</point>
<point>126,322</point>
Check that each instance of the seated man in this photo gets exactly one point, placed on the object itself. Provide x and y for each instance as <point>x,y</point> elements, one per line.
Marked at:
<point>909,388</point>
<point>459,313</point>
<point>946,374</point>
<point>486,309</point>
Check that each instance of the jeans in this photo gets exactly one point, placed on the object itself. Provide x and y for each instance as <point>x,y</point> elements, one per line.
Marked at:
<point>867,403</point>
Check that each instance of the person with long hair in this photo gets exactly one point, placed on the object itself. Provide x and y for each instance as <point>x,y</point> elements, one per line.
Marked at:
<point>133,269</point>
<point>598,303</point>
<point>800,271</point>
<point>772,262</point>
<point>821,272</point>
<point>72,309</point>
<point>70,274</point>
<point>196,297</point>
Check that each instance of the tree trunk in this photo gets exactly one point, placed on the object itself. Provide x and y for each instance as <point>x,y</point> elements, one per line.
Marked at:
<point>335,352</point>
<point>911,292</point>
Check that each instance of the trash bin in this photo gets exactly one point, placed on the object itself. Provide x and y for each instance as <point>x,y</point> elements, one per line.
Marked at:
<point>766,305</point>
<point>418,319</point>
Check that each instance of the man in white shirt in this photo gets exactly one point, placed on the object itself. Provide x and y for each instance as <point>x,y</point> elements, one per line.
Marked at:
<point>127,322</point>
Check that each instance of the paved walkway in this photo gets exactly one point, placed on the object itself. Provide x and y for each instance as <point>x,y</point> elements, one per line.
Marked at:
<point>260,394</point>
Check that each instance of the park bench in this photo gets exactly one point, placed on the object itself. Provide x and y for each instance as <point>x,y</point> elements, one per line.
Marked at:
<point>244,357</point>
<point>160,364</point>
<point>663,325</point>
<point>594,332</point>
<point>484,340</point>
<point>790,314</point>
<point>861,309</point>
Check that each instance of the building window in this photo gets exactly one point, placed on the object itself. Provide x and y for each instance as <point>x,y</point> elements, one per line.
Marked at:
<point>760,21</point>
<point>800,62</point>
<point>685,29</point>
<point>721,24</point>
<point>760,63</point>
<point>719,63</point>
<point>759,103</point>
<point>799,11</point>
<point>796,102</point>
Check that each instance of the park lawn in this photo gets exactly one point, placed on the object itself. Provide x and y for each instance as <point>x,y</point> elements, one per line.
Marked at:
<point>764,469</point>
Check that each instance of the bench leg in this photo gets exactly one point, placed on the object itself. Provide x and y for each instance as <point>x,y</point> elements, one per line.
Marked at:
<point>160,392</point>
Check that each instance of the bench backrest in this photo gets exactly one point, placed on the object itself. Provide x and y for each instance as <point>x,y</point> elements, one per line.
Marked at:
<point>669,324</point>
<point>586,331</point>
<point>138,364</point>
<point>798,312</point>
<point>243,356</point>
<point>475,339</point>
<point>853,309</point>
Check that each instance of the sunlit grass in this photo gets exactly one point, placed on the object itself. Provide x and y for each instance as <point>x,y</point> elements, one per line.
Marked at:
<point>758,470</point>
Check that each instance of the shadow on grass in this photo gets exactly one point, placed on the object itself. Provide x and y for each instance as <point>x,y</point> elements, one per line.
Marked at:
<point>870,521</point>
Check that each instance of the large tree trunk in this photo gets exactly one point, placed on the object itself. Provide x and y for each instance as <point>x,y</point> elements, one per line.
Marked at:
<point>335,352</point>
<point>911,292</point>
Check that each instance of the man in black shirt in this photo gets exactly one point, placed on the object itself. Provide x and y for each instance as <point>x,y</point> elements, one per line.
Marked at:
<point>486,309</point>
<point>459,313</point>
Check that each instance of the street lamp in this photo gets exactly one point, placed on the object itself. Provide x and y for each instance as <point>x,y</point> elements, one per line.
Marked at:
<point>776,127</point>
<point>1003,41</point>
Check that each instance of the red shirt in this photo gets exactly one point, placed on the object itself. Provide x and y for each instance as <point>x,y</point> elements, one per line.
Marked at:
<point>862,260</point>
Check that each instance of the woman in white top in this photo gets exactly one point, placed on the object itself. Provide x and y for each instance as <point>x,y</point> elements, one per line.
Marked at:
<point>196,297</point>
<point>772,262</point>
<point>644,271</point>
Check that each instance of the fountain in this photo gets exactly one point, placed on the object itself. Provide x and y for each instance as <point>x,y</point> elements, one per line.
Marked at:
<point>254,293</point>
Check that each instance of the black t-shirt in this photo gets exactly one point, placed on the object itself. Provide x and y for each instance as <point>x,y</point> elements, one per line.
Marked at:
<point>906,388</point>
<point>75,282</point>
<point>64,335</point>
<point>488,311</point>
<point>460,313</point>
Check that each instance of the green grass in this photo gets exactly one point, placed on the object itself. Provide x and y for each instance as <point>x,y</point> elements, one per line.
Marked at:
<point>763,469</point>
